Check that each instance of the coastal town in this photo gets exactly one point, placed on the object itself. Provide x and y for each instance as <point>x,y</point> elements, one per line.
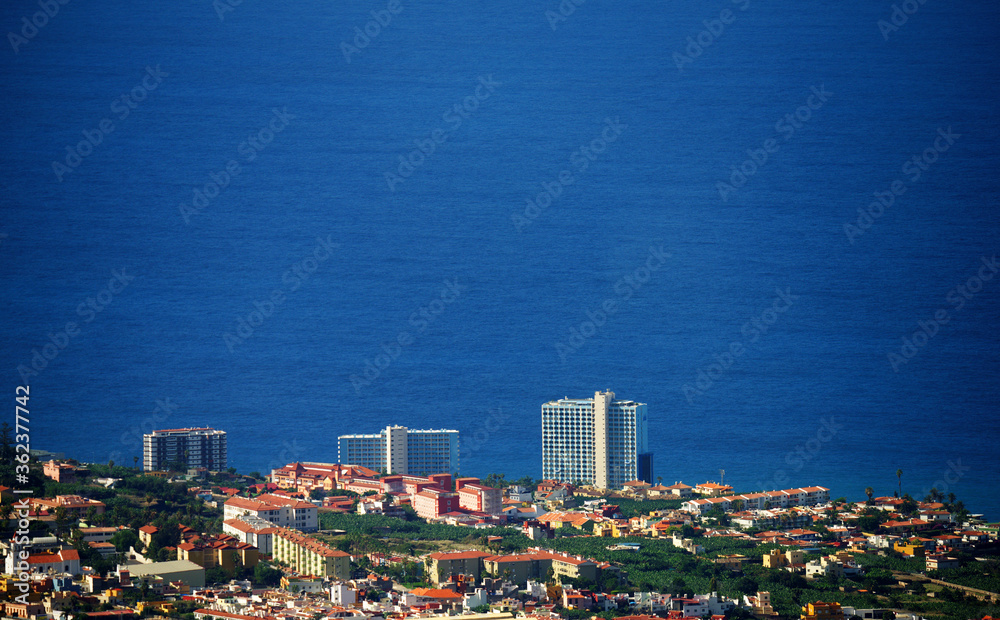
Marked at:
<point>389,529</point>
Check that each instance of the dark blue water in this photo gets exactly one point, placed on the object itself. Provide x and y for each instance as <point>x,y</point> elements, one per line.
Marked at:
<point>809,394</point>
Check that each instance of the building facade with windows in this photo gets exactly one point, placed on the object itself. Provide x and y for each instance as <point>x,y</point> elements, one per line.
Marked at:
<point>599,441</point>
<point>284,512</point>
<point>399,450</point>
<point>187,447</point>
<point>478,497</point>
<point>309,556</point>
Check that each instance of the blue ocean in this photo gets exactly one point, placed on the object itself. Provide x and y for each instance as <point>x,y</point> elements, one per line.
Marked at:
<point>774,224</point>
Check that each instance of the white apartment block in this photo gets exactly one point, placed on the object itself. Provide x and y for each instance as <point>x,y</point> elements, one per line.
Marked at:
<point>599,441</point>
<point>787,498</point>
<point>281,511</point>
<point>188,447</point>
<point>399,450</point>
<point>252,530</point>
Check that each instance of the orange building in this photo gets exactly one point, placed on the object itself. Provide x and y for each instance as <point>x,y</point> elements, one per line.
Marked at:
<point>223,551</point>
<point>822,611</point>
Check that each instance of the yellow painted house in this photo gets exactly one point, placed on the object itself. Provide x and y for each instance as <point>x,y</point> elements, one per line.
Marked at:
<point>309,556</point>
<point>915,550</point>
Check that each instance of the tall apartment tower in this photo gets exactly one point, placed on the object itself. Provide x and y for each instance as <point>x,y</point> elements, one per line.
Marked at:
<point>599,441</point>
<point>188,447</point>
<point>399,450</point>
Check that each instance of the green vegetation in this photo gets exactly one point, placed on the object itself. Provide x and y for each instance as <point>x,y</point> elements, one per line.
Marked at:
<point>891,561</point>
<point>266,575</point>
<point>380,526</point>
<point>500,481</point>
<point>634,508</point>
<point>973,574</point>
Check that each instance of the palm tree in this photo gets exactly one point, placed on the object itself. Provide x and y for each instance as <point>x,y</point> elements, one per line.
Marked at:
<point>899,475</point>
<point>62,518</point>
<point>869,492</point>
<point>135,461</point>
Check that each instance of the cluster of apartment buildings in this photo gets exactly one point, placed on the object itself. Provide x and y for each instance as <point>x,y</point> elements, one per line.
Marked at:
<point>432,497</point>
<point>372,597</point>
<point>600,441</point>
<point>256,521</point>
<point>531,564</point>
<point>208,551</point>
<point>807,496</point>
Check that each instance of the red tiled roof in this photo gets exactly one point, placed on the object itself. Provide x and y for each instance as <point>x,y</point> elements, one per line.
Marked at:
<point>242,526</point>
<point>65,555</point>
<point>436,593</point>
<point>458,555</point>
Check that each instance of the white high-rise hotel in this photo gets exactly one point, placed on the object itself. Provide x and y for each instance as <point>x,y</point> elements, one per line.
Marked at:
<point>399,450</point>
<point>599,441</point>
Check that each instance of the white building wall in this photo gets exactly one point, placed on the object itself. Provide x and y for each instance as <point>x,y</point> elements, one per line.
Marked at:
<point>594,440</point>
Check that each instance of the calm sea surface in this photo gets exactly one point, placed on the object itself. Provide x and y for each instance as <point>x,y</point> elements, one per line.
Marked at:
<point>485,206</point>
